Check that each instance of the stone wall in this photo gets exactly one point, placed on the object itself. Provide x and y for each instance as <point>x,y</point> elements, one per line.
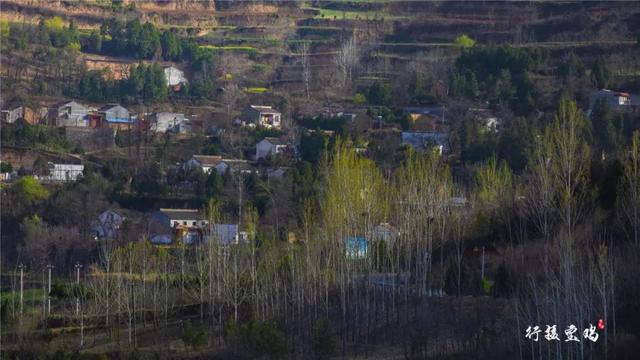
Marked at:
<point>89,139</point>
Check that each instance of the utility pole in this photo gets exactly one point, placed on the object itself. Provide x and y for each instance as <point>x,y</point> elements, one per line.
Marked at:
<point>240,185</point>
<point>49,267</point>
<point>235,258</point>
<point>44,296</point>
<point>482,267</point>
<point>22,267</point>
<point>444,121</point>
<point>78,266</point>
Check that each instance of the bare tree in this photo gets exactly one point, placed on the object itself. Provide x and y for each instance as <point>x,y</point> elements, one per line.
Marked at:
<point>347,60</point>
<point>230,97</point>
<point>571,162</point>
<point>629,198</point>
<point>303,52</point>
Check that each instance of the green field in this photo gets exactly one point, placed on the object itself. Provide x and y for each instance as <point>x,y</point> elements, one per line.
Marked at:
<point>249,49</point>
<point>352,15</point>
<point>256,90</point>
<point>29,294</point>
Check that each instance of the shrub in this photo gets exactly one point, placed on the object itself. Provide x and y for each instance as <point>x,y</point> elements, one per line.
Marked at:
<point>380,94</point>
<point>55,23</point>
<point>324,339</point>
<point>6,167</point>
<point>464,41</point>
<point>194,337</point>
<point>60,290</point>
<point>31,189</point>
<point>359,99</point>
<point>263,339</point>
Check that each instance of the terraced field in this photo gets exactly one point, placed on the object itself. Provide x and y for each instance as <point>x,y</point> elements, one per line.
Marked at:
<point>266,39</point>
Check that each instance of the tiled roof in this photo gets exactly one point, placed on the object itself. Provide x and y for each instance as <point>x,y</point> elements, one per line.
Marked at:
<point>275,141</point>
<point>265,109</point>
<point>190,214</point>
<point>208,160</point>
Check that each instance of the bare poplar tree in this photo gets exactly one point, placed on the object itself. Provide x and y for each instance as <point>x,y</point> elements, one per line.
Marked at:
<point>230,97</point>
<point>629,189</point>
<point>347,60</point>
<point>304,59</point>
<point>540,204</point>
<point>571,162</point>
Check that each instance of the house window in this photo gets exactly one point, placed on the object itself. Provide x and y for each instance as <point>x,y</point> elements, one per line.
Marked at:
<point>175,223</point>
<point>184,223</point>
<point>204,223</point>
<point>194,223</point>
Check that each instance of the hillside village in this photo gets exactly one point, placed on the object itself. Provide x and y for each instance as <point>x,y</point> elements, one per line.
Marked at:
<point>295,179</point>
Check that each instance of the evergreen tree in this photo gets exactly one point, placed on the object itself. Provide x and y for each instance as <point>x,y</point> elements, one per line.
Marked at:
<point>136,81</point>
<point>155,84</point>
<point>416,87</point>
<point>214,184</point>
<point>312,147</point>
<point>571,68</point>
<point>93,87</point>
<point>604,131</point>
<point>95,42</point>
<point>380,94</point>
<point>601,74</point>
<point>149,41</point>
<point>171,49</point>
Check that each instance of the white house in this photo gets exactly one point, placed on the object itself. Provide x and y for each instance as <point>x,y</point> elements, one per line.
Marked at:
<point>68,113</point>
<point>10,115</point>
<point>63,172</point>
<point>226,234</point>
<point>270,146</point>
<point>207,163</point>
<point>236,166</point>
<point>492,123</point>
<point>182,218</point>
<point>348,116</point>
<point>183,127</point>
<point>174,76</point>
<point>166,121</point>
<point>486,118</point>
<point>263,116</point>
<point>8,176</point>
<point>184,225</point>
<point>116,116</point>
<point>190,226</point>
<point>613,98</point>
<point>421,141</point>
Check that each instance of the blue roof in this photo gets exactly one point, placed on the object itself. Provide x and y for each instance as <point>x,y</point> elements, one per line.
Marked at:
<point>225,234</point>
<point>418,140</point>
<point>161,239</point>
<point>431,109</point>
<point>120,120</point>
<point>356,247</point>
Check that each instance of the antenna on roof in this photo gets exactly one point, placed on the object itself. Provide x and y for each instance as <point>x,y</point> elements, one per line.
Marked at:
<point>443,118</point>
